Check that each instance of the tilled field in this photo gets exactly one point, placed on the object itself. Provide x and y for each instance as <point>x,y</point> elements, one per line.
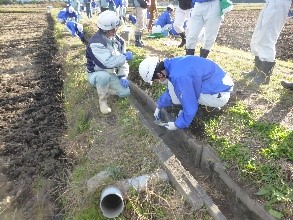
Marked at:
<point>238,27</point>
<point>32,119</point>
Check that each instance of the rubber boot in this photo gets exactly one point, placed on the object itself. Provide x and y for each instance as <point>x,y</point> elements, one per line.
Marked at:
<point>287,85</point>
<point>190,51</point>
<point>204,53</point>
<point>264,74</point>
<point>183,39</point>
<point>138,42</point>
<point>83,40</point>
<point>140,39</point>
<point>256,68</point>
<point>103,95</point>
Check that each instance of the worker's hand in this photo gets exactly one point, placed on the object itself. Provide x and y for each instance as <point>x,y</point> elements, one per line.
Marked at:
<point>171,126</point>
<point>128,55</point>
<point>157,114</point>
<point>124,82</point>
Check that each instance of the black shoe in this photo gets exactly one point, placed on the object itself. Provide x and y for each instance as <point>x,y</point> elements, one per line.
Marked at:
<point>287,85</point>
<point>256,68</point>
<point>264,74</point>
<point>204,53</point>
<point>183,39</point>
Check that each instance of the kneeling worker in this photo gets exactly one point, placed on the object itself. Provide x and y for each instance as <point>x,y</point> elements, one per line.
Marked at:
<point>195,80</point>
<point>107,66</point>
<point>76,30</point>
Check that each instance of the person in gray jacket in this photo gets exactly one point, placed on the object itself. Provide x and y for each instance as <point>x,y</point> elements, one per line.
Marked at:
<point>107,67</point>
<point>141,17</point>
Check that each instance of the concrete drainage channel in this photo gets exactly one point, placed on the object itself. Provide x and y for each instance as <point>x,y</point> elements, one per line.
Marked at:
<point>183,158</point>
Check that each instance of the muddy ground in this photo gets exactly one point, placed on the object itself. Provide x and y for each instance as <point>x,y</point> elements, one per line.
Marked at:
<point>32,117</point>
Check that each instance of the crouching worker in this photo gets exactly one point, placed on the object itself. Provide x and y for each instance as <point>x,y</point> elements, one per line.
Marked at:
<point>195,80</point>
<point>165,20</point>
<point>107,66</point>
<point>76,30</point>
<point>67,14</point>
<point>130,18</point>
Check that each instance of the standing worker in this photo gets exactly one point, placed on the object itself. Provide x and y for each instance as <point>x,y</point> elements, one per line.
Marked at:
<point>88,8</point>
<point>141,16</point>
<point>104,5</point>
<point>206,14</point>
<point>107,66</point>
<point>76,6</point>
<point>270,22</point>
<point>123,8</point>
<point>153,13</point>
<point>195,80</point>
<point>182,13</point>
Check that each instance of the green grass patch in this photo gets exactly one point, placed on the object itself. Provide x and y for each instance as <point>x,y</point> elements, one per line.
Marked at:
<point>265,172</point>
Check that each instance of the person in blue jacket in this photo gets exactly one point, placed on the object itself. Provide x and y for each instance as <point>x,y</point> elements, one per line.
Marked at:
<point>165,19</point>
<point>196,80</point>
<point>67,14</point>
<point>118,5</point>
<point>112,5</point>
<point>62,16</point>
<point>76,30</point>
<point>131,18</point>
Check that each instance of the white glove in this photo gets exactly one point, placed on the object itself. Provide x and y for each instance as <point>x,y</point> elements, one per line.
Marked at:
<point>179,113</point>
<point>157,114</point>
<point>171,126</point>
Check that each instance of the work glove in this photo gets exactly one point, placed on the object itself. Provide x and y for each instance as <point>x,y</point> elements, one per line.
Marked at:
<point>171,126</point>
<point>179,113</point>
<point>157,114</point>
<point>124,82</point>
<point>128,55</point>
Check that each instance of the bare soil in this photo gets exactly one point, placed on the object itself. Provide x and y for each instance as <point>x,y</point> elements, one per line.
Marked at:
<point>32,117</point>
<point>237,29</point>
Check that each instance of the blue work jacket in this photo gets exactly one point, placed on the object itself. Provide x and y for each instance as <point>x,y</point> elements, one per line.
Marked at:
<point>164,18</point>
<point>191,76</point>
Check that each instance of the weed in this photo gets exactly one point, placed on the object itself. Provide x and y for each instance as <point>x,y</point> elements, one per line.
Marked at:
<point>266,173</point>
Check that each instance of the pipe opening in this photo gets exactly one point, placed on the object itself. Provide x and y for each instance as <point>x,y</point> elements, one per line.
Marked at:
<point>112,203</point>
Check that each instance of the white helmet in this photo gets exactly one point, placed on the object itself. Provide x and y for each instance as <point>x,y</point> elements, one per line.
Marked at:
<point>147,68</point>
<point>108,20</point>
<point>70,9</point>
<point>79,27</point>
<point>171,7</point>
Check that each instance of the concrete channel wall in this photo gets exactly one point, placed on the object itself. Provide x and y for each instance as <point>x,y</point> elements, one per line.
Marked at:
<point>201,156</point>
